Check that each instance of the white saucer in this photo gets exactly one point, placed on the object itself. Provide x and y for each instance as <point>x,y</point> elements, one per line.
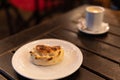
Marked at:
<point>82,27</point>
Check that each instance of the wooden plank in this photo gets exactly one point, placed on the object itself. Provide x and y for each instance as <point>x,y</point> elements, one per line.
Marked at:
<point>102,66</point>
<point>2,77</point>
<point>83,74</point>
<point>13,49</point>
<point>106,38</point>
<point>112,17</point>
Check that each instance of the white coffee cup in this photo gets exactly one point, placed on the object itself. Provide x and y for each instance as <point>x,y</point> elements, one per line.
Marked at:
<point>94,17</point>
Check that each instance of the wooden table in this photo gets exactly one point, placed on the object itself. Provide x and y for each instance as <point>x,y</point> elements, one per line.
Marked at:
<point>101,52</point>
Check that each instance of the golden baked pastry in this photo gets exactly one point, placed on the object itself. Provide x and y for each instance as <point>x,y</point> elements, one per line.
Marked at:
<point>47,55</point>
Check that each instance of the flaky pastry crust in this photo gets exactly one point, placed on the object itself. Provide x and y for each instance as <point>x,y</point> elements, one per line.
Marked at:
<point>47,55</point>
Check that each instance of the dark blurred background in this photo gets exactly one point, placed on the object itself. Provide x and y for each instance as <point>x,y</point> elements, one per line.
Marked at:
<point>17,15</point>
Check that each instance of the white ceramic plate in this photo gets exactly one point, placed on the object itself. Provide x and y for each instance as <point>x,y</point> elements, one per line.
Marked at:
<point>82,27</point>
<point>72,61</point>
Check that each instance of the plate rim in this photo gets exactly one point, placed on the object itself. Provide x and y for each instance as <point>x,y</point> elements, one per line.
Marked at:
<point>48,39</point>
